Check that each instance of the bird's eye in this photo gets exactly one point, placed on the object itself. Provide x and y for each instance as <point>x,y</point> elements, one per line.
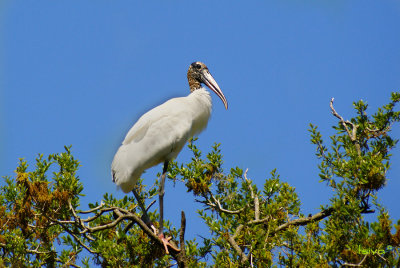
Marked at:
<point>198,66</point>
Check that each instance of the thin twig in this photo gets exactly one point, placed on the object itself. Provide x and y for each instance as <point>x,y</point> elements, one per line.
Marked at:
<point>254,197</point>
<point>217,205</point>
<point>98,214</point>
<point>357,264</point>
<point>76,238</point>
<point>68,263</point>
<point>92,210</point>
<point>344,123</point>
<point>353,134</point>
<point>36,251</point>
<point>149,206</point>
<point>260,221</point>
<point>305,220</point>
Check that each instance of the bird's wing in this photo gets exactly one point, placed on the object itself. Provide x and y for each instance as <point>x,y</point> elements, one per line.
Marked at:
<point>161,114</point>
<point>139,129</point>
<point>157,136</point>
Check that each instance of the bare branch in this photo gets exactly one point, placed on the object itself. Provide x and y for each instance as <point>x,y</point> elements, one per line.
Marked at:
<point>127,215</point>
<point>181,257</point>
<point>36,251</point>
<point>380,256</point>
<point>68,263</point>
<point>260,221</point>
<point>122,214</point>
<point>344,123</point>
<point>254,197</point>
<point>98,214</point>
<point>357,264</point>
<point>353,134</point>
<point>182,231</point>
<point>237,231</point>
<point>149,206</point>
<point>303,221</point>
<point>74,236</point>
<point>92,210</point>
<point>109,225</point>
<point>217,205</point>
<point>235,246</point>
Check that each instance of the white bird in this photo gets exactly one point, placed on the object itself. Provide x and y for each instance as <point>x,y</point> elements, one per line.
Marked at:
<point>160,134</point>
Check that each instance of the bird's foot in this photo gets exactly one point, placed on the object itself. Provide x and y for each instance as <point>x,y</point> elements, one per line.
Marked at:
<point>166,243</point>
<point>155,230</point>
<point>165,240</point>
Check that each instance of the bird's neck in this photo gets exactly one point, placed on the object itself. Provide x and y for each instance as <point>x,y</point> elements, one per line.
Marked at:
<point>200,107</point>
<point>193,84</point>
<point>201,98</point>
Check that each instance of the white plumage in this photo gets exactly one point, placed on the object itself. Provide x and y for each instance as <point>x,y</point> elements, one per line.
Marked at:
<point>160,135</point>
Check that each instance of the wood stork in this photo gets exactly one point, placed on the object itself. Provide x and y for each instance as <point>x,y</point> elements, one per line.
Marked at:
<point>160,134</point>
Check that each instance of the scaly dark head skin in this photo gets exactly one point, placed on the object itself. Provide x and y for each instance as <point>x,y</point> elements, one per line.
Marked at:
<point>194,75</point>
<point>197,74</point>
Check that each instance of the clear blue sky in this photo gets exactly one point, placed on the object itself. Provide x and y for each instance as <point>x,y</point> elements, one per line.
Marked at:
<point>82,74</point>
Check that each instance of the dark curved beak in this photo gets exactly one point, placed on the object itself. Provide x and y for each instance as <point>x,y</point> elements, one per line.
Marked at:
<point>212,84</point>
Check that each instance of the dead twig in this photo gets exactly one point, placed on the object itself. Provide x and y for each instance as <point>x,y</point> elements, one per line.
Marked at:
<point>215,203</point>
<point>254,197</point>
<point>231,240</point>
<point>182,255</point>
<point>353,133</point>
<point>305,220</point>
<point>356,264</point>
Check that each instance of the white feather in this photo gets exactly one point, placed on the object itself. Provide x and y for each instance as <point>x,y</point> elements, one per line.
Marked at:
<point>160,135</point>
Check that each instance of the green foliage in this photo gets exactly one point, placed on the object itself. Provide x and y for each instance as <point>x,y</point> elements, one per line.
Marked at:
<point>28,206</point>
<point>355,168</point>
<point>257,225</point>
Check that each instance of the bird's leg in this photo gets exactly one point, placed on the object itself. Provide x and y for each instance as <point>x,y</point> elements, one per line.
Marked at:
<point>165,240</point>
<point>144,217</point>
<point>161,197</point>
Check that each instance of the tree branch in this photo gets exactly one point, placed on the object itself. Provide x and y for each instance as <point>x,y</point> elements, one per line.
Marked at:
<point>121,215</point>
<point>217,205</point>
<point>356,265</point>
<point>260,221</point>
<point>181,257</point>
<point>235,246</point>
<point>353,134</point>
<point>92,210</point>
<point>305,220</point>
<point>254,197</point>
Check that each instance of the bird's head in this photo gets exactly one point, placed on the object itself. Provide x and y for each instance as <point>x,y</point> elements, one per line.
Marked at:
<point>198,73</point>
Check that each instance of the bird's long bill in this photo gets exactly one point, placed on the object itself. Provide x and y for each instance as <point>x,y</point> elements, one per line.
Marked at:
<point>212,84</point>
